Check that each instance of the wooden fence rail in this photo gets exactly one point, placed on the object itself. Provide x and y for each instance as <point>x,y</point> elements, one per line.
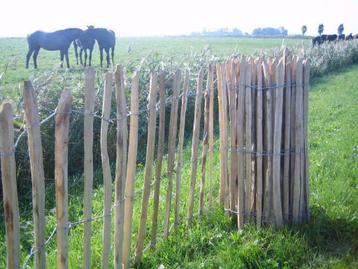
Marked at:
<point>262,111</point>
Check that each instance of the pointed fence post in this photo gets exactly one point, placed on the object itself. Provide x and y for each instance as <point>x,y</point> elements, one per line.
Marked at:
<point>62,123</point>
<point>8,175</point>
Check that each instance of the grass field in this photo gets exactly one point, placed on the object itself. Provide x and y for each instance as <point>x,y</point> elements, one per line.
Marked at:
<point>129,51</point>
<point>330,240</point>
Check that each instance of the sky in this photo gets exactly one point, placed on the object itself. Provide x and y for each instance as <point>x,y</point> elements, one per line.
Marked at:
<point>169,17</point>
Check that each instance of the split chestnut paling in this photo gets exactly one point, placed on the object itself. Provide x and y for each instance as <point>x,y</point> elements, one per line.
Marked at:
<point>263,106</point>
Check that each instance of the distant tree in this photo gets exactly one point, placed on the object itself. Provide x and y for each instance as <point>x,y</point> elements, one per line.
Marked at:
<point>320,29</point>
<point>236,32</point>
<point>303,29</point>
<point>270,31</point>
<point>340,29</point>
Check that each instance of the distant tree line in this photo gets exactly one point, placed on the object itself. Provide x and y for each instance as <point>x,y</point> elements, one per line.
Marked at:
<point>266,31</point>
<point>270,31</point>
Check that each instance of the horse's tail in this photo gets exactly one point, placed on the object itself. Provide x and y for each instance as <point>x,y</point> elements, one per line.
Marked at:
<point>112,53</point>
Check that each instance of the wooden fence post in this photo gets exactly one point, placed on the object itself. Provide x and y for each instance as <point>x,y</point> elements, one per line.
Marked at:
<point>37,172</point>
<point>248,140</point>
<point>259,145</point>
<point>171,149</point>
<point>62,123</point>
<point>8,175</point>
<point>121,166</point>
<point>195,144</point>
<point>307,69</point>
<point>277,131</point>
<point>148,164</point>
<point>131,171</point>
<point>107,178</point>
<point>180,148</point>
<point>268,104</point>
<point>88,165</point>
<point>211,131</point>
<point>160,151</point>
<point>240,144</point>
<point>204,149</point>
<point>230,73</point>
<point>222,99</point>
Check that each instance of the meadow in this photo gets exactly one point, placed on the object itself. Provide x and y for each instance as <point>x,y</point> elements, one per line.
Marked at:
<point>329,240</point>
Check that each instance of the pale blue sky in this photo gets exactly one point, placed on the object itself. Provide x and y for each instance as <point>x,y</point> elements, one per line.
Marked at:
<point>169,17</point>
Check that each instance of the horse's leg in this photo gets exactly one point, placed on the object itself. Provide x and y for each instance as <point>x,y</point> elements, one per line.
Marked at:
<point>81,52</point>
<point>85,57</point>
<point>76,52</point>
<point>28,56</point>
<point>90,57</point>
<point>112,55</point>
<point>67,60</point>
<point>101,55</point>
<point>107,58</point>
<point>62,55</point>
<point>36,53</point>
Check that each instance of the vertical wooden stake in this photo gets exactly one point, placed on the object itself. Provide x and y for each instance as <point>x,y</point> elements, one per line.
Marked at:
<point>131,171</point>
<point>62,122</point>
<point>148,165</point>
<point>267,209</point>
<point>230,73</point>
<point>298,144</point>
<point>195,144</point>
<point>240,144</point>
<point>8,175</point>
<point>276,167</point>
<point>223,133</point>
<point>88,165</point>
<point>180,148</point>
<point>107,178</point>
<point>171,149</point>
<point>37,172</point>
<point>160,150</point>
<point>211,131</point>
<point>205,150</point>
<point>248,141</point>
<point>121,165</point>
<point>307,69</point>
<point>287,144</point>
<point>259,146</point>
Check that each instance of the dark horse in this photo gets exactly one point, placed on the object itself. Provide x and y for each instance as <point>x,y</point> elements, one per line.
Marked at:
<point>59,40</point>
<point>106,40</point>
<point>85,42</point>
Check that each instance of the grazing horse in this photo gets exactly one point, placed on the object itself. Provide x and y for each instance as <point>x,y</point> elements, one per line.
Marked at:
<point>85,42</point>
<point>58,40</point>
<point>349,37</point>
<point>106,40</point>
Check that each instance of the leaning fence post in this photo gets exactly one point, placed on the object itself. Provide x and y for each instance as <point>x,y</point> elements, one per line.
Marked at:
<point>8,175</point>
<point>307,69</point>
<point>62,123</point>
<point>131,170</point>
<point>37,172</point>
<point>148,165</point>
<point>88,165</point>
<point>195,144</point>
<point>171,149</point>
<point>121,166</point>
<point>211,131</point>
<point>107,178</point>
